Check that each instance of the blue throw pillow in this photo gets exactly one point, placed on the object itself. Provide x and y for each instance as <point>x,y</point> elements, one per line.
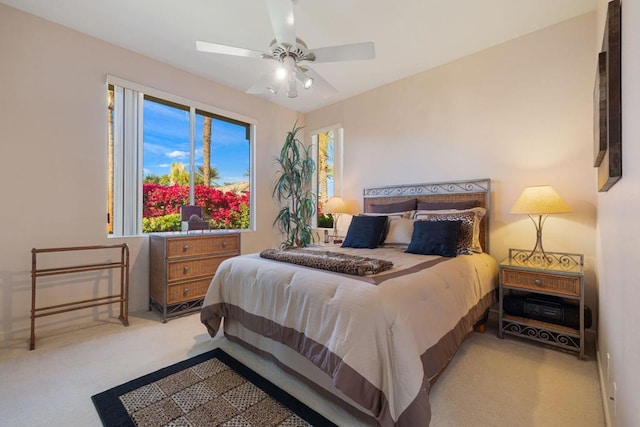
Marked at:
<point>365,232</point>
<point>435,238</point>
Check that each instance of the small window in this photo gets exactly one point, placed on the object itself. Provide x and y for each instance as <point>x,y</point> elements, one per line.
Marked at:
<point>327,145</point>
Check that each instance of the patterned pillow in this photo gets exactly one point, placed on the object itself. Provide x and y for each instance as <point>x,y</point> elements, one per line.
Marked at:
<point>469,237</point>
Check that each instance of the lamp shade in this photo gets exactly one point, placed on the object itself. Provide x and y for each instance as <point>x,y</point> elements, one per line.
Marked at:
<point>540,200</point>
<point>334,205</point>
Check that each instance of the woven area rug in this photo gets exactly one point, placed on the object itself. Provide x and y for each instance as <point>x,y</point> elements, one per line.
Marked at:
<point>212,389</point>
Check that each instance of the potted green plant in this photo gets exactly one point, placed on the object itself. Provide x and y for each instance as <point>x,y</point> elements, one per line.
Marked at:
<point>293,191</point>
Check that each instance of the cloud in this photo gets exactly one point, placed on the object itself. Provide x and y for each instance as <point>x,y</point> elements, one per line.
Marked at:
<point>176,154</point>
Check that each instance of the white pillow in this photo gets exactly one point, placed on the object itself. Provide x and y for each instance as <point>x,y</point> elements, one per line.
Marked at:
<point>405,214</point>
<point>400,231</point>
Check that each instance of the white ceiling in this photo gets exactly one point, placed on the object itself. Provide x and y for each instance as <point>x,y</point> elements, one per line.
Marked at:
<point>410,36</point>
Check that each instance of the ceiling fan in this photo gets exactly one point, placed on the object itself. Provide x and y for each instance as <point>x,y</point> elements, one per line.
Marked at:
<point>292,54</point>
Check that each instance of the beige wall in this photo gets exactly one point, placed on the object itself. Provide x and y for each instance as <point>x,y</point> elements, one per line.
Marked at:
<point>618,237</point>
<point>519,113</point>
<point>53,153</point>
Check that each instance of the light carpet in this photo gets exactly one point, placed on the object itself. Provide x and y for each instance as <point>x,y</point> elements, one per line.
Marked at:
<point>490,382</point>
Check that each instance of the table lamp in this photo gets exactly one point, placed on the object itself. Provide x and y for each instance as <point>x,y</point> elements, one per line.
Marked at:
<point>335,206</point>
<point>540,200</point>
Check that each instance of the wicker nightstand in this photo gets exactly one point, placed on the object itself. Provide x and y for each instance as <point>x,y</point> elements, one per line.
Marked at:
<point>523,279</point>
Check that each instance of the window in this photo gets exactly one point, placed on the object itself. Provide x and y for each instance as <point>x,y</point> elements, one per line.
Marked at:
<point>327,145</point>
<point>165,152</point>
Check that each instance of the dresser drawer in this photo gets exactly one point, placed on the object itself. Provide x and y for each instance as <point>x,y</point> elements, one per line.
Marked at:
<point>195,267</point>
<point>193,246</point>
<point>565,285</point>
<point>185,291</point>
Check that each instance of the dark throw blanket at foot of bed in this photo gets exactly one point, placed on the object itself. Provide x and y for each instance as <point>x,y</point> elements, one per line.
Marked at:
<point>331,261</point>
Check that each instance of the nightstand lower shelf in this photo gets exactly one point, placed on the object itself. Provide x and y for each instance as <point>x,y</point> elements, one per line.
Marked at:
<point>556,335</point>
<point>545,299</point>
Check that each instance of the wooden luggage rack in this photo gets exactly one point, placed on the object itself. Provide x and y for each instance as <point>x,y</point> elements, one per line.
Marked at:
<point>122,297</point>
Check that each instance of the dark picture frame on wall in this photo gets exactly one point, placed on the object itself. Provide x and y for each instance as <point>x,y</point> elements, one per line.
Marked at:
<point>608,103</point>
<point>600,111</point>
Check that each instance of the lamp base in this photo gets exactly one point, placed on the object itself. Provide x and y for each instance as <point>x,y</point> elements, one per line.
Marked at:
<point>537,254</point>
<point>336,217</point>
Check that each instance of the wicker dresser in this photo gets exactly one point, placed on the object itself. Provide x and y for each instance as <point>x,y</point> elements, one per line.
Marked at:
<point>181,267</point>
<point>561,278</point>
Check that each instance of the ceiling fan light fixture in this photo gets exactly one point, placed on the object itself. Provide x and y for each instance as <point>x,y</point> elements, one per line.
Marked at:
<point>305,80</point>
<point>281,73</point>
<point>292,90</point>
<point>274,86</point>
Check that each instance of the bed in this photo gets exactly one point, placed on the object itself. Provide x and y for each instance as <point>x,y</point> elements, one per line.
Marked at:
<point>374,343</point>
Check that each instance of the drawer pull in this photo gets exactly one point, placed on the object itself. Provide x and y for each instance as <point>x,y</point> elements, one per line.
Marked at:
<point>185,292</point>
<point>224,244</point>
<point>537,282</point>
<point>185,270</point>
<point>185,248</point>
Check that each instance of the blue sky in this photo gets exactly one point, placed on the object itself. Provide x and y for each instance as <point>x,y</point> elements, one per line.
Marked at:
<point>166,140</point>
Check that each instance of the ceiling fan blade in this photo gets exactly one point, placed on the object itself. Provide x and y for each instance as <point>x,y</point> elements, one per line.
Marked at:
<point>227,50</point>
<point>320,85</point>
<point>282,21</point>
<point>345,52</point>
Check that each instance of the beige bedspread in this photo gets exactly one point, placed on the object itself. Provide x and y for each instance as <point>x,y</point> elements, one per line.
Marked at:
<point>381,338</point>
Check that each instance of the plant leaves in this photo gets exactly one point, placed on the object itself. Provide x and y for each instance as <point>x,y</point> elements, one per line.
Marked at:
<point>292,190</point>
